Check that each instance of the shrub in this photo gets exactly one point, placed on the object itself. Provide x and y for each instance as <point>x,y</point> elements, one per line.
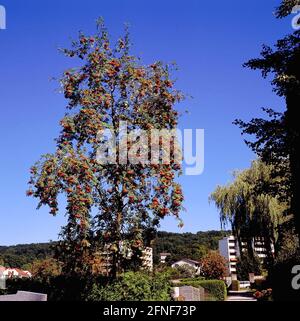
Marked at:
<point>134,286</point>
<point>213,266</point>
<point>131,286</point>
<point>197,278</point>
<point>45,268</point>
<point>259,284</point>
<point>215,288</point>
<point>264,295</point>
<point>182,271</point>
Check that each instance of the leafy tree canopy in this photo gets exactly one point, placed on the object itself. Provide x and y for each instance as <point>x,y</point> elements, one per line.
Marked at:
<point>114,204</point>
<point>286,8</point>
<point>250,209</point>
<point>214,266</point>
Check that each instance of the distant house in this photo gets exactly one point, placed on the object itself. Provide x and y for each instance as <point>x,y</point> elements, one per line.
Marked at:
<point>192,263</point>
<point>163,256</point>
<point>9,273</point>
<point>23,273</point>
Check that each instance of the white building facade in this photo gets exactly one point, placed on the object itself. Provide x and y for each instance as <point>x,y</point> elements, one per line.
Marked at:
<point>106,259</point>
<point>229,249</point>
<point>163,256</point>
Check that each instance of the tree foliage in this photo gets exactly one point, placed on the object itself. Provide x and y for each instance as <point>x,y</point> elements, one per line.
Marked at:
<point>278,140</point>
<point>134,287</point>
<point>271,139</point>
<point>247,205</point>
<point>179,245</point>
<point>119,205</point>
<point>183,271</point>
<point>288,246</point>
<point>286,7</point>
<point>248,265</point>
<point>45,268</point>
<point>186,245</point>
<point>19,256</point>
<point>213,266</point>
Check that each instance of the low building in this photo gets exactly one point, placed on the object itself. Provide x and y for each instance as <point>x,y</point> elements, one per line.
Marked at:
<point>192,263</point>
<point>8,273</point>
<point>163,256</point>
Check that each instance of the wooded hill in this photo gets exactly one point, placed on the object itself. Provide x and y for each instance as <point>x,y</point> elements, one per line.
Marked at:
<point>179,245</point>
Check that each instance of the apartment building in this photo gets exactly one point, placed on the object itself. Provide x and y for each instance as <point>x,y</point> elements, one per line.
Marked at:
<point>229,249</point>
<point>105,263</point>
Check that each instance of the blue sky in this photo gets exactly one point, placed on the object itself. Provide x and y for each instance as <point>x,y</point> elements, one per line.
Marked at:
<point>209,40</point>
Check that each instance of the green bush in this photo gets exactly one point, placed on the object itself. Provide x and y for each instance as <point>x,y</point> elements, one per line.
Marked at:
<point>134,286</point>
<point>182,271</point>
<point>131,286</point>
<point>215,288</point>
<point>259,284</point>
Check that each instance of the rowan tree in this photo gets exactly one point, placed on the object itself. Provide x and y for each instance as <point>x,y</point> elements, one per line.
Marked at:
<point>116,206</point>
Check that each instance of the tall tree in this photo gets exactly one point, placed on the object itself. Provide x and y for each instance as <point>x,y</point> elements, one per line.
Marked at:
<point>247,205</point>
<point>283,143</point>
<point>118,205</point>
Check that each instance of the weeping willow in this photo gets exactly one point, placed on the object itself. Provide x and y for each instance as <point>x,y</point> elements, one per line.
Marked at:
<point>249,207</point>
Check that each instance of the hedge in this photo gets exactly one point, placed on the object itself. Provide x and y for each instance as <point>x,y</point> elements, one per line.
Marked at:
<point>215,288</point>
<point>131,286</point>
<point>58,288</point>
<point>134,286</point>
